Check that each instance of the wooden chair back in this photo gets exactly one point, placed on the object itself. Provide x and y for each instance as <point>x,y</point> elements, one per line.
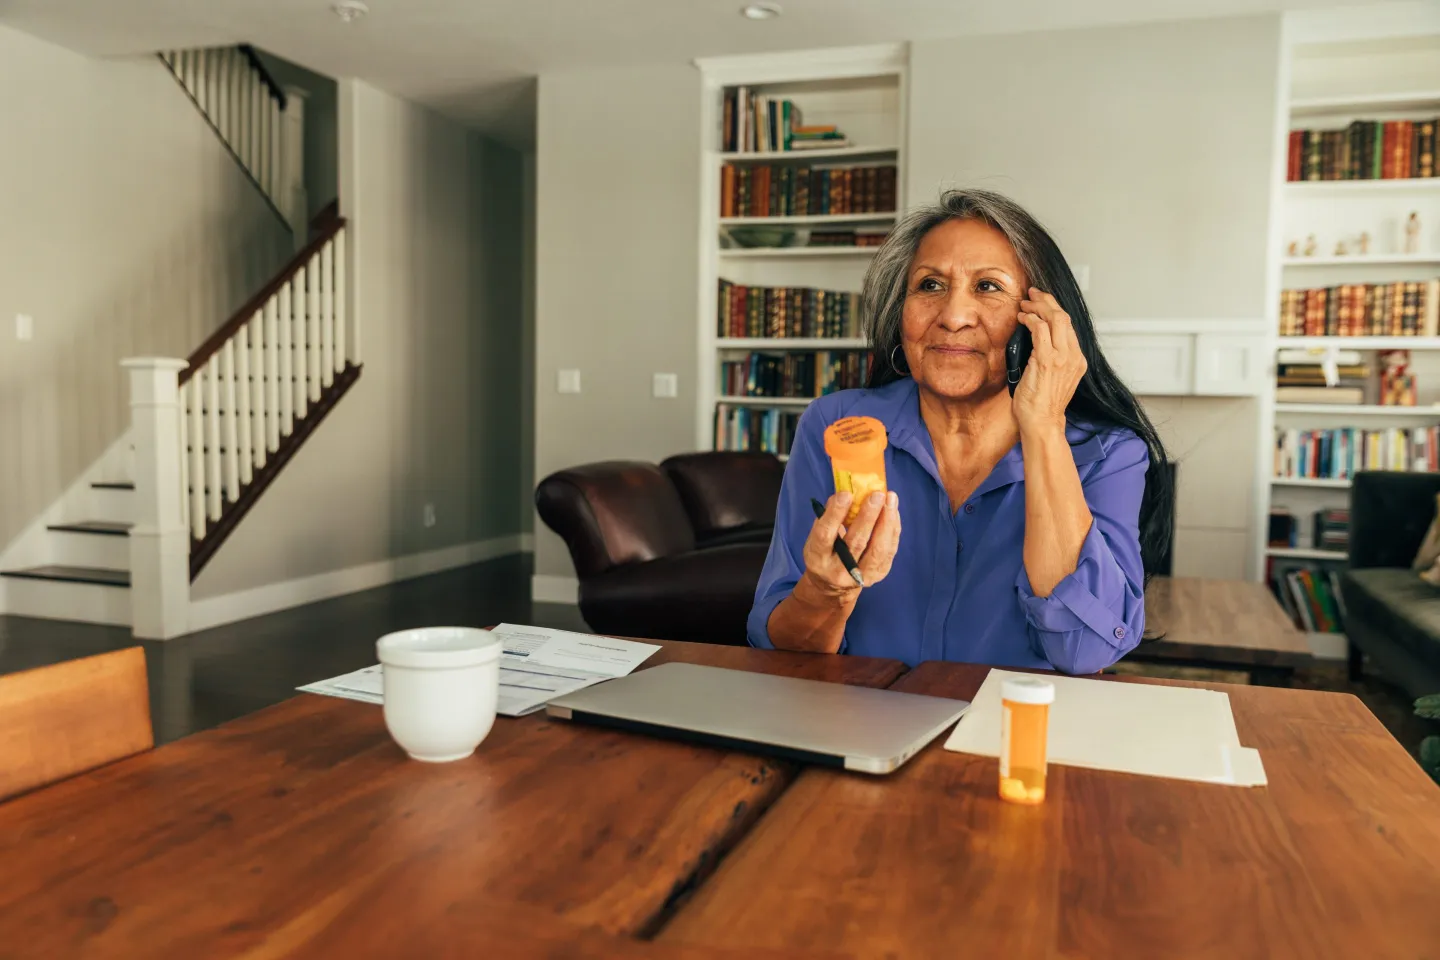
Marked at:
<point>70,717</point>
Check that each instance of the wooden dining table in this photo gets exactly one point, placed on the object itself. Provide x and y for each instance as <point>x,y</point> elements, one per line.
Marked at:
<point>303,831</point>
<point>1339,856</point>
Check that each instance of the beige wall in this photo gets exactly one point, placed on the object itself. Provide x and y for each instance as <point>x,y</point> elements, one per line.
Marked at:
<point>126,229</point>
<point>617,222</point>
<point>1147,151</point>
<point>435,232</point>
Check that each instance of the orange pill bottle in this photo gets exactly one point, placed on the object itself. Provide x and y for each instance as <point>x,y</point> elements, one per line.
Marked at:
<point>1024,723</point>
<point>856,448</point>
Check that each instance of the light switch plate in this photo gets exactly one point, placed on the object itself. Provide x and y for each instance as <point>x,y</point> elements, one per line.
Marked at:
<point>568,381</point>
<point>666,385</point>
<point>24,326</point>
<point>1082,277</point>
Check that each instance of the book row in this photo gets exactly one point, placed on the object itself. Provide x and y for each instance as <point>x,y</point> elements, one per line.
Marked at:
<point>744,428</point>
<point>781,190</point>
<point>798,375</point>
<point>1310,596</point>
<point>1330,529</point>
<point>750,123</point>
<point>1340,453</point>
<point>1402,309</point>
<point>1365,150</point>
<point>786,312</point>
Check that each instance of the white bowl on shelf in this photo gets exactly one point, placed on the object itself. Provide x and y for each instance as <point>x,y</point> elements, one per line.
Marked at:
<point>441,686</point>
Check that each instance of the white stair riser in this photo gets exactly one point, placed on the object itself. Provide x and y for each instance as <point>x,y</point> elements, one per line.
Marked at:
<point>56,600</point>
<point>89,550</point>
<point>116,506</point>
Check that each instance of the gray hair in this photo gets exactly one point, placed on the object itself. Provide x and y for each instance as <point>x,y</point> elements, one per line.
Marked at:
<point>882,296</point>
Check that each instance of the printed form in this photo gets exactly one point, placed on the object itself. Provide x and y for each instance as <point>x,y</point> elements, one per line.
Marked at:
<point>536,665</point>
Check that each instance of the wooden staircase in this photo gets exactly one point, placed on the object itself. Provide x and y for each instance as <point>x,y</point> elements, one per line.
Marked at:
<point>247,398</point>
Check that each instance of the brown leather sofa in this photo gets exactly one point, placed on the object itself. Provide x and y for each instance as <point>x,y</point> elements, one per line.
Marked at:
<point>671,551</point>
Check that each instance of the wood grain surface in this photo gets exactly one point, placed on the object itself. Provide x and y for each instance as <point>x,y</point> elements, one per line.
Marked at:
<point>1338,857</point>
<point>69,717</point>
<point>1227,621</point>
<point>303,826</point>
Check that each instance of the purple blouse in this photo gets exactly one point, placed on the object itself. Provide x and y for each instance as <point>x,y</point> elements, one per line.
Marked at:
<point>958,589</point>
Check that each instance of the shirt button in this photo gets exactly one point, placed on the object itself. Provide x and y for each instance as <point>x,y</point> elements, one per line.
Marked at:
<point>969,508</point>
<point>959,544</point>
<point>1119,633</point>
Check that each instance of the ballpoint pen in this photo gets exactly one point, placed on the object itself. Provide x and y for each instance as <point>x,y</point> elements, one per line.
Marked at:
<point>841,549</point>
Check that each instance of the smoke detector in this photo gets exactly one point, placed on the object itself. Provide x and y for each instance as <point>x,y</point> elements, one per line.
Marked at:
<point>761,11</point>
<point>350,10</point>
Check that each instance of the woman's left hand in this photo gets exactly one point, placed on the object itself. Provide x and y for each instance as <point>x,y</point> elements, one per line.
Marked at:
<point>1055,368</point>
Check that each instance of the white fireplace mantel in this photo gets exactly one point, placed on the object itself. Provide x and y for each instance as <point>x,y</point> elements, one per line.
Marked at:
<point>1177,358</point>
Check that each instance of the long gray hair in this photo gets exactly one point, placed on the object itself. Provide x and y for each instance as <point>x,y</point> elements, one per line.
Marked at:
<point>1101,400</point>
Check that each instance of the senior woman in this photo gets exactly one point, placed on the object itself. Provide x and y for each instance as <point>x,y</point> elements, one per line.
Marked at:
<point>1017,529</point>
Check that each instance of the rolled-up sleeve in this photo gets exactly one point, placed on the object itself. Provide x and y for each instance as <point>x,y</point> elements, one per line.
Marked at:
<point>807,475</point>
<point>1096,615</point>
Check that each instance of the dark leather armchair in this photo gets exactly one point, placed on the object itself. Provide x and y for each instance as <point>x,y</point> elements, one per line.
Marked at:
<point>670,552</point>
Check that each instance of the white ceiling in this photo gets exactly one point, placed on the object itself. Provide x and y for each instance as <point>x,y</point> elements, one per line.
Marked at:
<point>476,60</point>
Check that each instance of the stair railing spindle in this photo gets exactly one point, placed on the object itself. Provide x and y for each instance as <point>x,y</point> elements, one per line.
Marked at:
<point>312,340</point>
<point>287,360</point>
<point>297,339</point>
<point>242,395</point>
<point>272,374</point>
<point>327,314</point>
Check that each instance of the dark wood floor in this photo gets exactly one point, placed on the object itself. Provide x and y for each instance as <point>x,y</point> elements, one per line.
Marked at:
<point>207,678</point>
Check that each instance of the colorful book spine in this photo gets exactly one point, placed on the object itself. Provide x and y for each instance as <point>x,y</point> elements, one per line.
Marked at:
<point>1364,150</point>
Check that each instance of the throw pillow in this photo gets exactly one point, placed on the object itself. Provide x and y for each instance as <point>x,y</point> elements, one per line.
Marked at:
<point>1429,551</point>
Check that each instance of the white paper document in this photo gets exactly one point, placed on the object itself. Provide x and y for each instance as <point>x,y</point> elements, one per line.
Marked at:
<point>365,685</point>
<point>1180,732</point>
<point>536,665</point>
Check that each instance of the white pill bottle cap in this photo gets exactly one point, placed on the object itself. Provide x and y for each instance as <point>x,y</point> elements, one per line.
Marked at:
<point>1028,690</point>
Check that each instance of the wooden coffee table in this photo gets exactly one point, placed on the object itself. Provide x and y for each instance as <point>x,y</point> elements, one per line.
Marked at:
<point>1234,624</point>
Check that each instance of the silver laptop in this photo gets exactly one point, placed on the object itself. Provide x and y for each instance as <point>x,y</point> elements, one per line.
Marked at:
<point>811,721</point>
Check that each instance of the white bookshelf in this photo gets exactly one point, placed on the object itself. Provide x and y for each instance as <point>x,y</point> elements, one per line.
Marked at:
<point>1356,410</point>
<point>806,156</point>
<point>1366,260</point>
<point>1313,482</point>
<point>814,220</point>
<point>1362,187</point>
<point>789,343</point>
<point>1359,343</point>
<point>1334,70</point>
<point>787,253</point>
<point>863,91</point>
<point>1304,553</point>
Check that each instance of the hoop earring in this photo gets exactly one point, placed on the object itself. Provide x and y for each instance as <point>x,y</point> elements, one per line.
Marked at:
<point>894,366</point>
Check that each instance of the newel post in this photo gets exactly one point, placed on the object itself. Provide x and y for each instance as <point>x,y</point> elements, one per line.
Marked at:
<point>160,538</point>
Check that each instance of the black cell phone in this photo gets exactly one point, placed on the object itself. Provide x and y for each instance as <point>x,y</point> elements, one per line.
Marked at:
<point>1017,354</point>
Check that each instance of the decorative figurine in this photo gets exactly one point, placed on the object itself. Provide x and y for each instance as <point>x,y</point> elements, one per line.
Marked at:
<point>1310,245</point>
<point>1340,249</point>
<point>1293,250</point>
<point>1412,233</point>
<point>1363,243</point>
<point>1397,383</point>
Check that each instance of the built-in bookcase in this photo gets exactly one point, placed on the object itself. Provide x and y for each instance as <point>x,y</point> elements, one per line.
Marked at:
<point>1331,83</point>
<point>861,91</point>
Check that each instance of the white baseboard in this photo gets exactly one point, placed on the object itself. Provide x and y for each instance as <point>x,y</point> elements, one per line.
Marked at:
<point>548,589</point>
<point>244,604</point>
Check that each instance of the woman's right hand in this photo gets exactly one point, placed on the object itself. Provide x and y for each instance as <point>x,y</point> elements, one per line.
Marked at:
<point>873,540</point>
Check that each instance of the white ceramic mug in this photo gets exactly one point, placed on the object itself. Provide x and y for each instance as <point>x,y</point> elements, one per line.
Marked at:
<point>441,684</point>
